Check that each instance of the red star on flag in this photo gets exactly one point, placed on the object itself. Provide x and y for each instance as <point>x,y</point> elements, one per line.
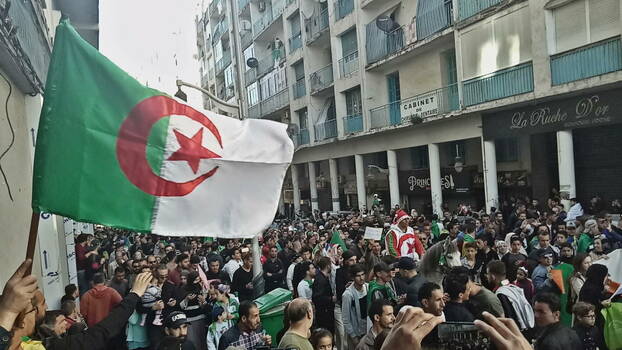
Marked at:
<point>191,150</point>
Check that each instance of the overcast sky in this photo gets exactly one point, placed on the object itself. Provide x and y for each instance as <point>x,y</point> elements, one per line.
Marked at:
<point>153,40</point>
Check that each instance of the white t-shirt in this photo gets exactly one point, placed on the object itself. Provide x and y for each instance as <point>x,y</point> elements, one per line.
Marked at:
<point>231,266</point>
<point>304,290</point>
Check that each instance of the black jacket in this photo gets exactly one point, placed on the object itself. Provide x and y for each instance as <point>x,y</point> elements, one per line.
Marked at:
<point>558,337</point>
<point>277,270</point>
<point>410,287</point>
<point>322,294</point>
<point>342,277</point>
<point>98,336</point>
<point>457,312</point>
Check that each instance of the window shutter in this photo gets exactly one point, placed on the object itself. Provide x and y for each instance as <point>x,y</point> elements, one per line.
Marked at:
<point>604,19</point>
<point>513,38</point>
<point>475,46</point>
<point>570,26</point>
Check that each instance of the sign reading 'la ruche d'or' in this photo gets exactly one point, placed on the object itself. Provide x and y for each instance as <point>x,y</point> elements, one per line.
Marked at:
<point>599,108</point>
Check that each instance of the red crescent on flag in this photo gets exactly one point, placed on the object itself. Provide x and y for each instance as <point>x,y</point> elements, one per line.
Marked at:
<point>132,145</point>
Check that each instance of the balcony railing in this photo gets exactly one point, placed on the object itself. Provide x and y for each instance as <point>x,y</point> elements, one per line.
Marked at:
<point>504,83</point>
<point>223,63</point>
<point>242,4</point>
<point>349,64</point>
<point>433,17</point>
<point>275,102</point>
<point>353,123</point>
<point>302,137</point>
<point>381,44</point>
<point>321,79</point>
<point>220,29</point>
<point>300,88</point>
<point>295,42</point>
<point>435,102</point>
<point>469,8</point>
<point>316,25</point>
<point>267,63</point>
<point>250,76</point>
<point>326,130</point>
<point>254,111</point>
<point>246,39</point>
<point>343,8</point>
<point>587,61</point>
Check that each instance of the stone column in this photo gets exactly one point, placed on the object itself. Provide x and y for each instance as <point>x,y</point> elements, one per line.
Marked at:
<point>334,184</point>
<point>565,163</point>
<point>296,188</point>
<point>360,181</point>
<point>491,185</point>
<point>435,179</point>
<point>394,188</point>
<point>313,186</point>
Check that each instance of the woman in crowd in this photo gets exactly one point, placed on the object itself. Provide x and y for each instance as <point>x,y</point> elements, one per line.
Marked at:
<point>593,291</point>
<point>581,263</point>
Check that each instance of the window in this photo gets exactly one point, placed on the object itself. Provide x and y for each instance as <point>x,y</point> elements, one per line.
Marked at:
<point>229,76</point>
<point>253,94</point>
<point>302,118</point>
<point>248,53</point>
<point>420,157</point>
<point>353,101</point>
<point>506,149</point>
<point>582,22</point>
<point>500,43</point>
<point>299,70</point>
<point>294,22</point>
<point>349,43</point>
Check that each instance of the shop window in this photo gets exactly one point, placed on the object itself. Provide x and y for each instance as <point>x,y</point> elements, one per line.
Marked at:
<point>582,22</point>
<point>506,149</point>
<point>420,157</point>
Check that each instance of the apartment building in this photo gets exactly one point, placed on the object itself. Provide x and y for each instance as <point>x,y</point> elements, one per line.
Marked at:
<point>432,102</point>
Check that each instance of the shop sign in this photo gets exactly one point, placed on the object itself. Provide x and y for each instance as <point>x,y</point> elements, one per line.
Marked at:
<point>599,108</point>
<point>418,181</point>
<point>421,106</point>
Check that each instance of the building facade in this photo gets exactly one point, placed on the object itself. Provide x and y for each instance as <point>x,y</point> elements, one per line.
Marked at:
<point>434,102</point>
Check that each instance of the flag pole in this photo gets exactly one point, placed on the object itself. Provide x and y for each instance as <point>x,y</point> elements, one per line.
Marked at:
<point>32,239</point>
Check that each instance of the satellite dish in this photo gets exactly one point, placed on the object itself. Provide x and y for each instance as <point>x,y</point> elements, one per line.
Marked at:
<point>292,129</point>
<point>252,62</point>
<point>385,23</point>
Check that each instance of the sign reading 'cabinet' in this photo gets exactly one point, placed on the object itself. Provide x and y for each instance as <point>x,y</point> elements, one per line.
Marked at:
<point>595,109</point>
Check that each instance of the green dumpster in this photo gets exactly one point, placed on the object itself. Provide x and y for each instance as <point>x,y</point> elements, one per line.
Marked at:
<point>271,310</point>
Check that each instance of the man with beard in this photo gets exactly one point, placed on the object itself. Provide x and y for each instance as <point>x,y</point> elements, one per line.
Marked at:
<point>382,317</point>
<point>176,327</point>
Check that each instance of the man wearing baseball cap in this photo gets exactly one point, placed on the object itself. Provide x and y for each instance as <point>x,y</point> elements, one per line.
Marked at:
<point>408,282</point>
<point>540,273</point>
<point>176,325</point>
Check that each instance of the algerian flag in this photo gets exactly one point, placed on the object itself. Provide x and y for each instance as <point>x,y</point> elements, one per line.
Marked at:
<point>114,152</point>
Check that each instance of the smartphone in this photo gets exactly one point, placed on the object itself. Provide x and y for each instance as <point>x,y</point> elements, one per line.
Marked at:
<point>462,336</point>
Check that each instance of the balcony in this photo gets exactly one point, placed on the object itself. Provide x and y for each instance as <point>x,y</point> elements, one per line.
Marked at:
<point>274,102</point>
<point>254,111</point>
<point>295,42</point>
<point>246,39</point>
<point>322,79</point>
<point>326,130</point>
<point>302,138</point>
<point>250,76</point>
<point>242,4</point>
<point>343,8</point>
<point>316,25</point>
<point>433,17</point>
<point>469,8</point>
<point>223,63</point>
<point>429,104</point>
<point>381,44</point>
<point>300,88</point>
<point>587,61</point>
<point>268,17</point>
<point>353,123</point>
<point>504,83</point>
<point>267,63</point>
<point>349,64</point>
<point>220,29</point>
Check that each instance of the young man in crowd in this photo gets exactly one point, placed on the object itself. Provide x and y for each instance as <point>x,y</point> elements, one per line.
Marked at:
<point>96,304</point>
<point>512,297</point>
<point>382,318</point>
<point>408,282</point>
<point>553,335</point>
<point>119,282</point>
<point>274,271</point>
<point>354,307</point>
<point>323,297</point>
<point>242,282</point>
<point>514,258</point>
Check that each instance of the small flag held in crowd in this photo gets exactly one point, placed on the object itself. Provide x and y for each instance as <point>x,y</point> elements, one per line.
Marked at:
<point>114,152</point>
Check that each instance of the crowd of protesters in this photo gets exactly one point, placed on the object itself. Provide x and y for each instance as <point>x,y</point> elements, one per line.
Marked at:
<point>524,274</point>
